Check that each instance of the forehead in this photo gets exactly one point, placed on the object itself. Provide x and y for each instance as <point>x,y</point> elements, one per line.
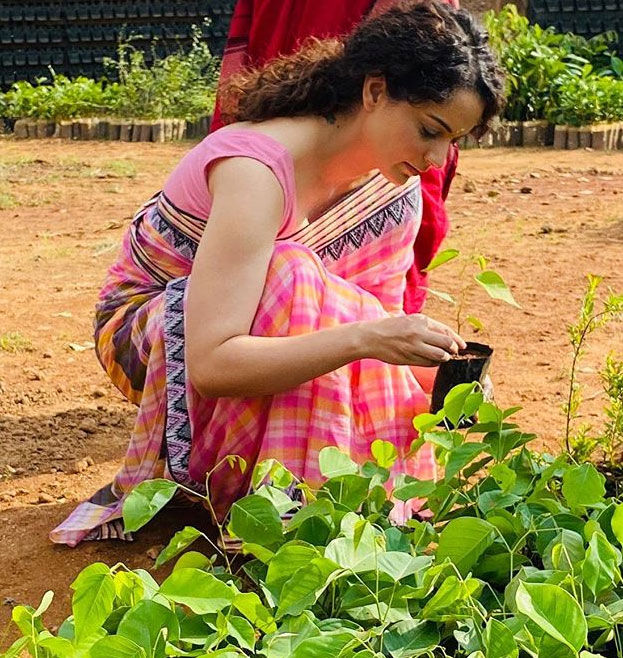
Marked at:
<point>460,113</point>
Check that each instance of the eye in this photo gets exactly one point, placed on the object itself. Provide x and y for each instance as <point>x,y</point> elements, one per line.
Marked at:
<point>426,133</point>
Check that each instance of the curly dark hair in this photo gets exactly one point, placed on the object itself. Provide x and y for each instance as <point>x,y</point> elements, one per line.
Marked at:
<point>426,50</point>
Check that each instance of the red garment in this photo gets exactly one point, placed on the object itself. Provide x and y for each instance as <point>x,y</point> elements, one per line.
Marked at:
<point>263,29</point>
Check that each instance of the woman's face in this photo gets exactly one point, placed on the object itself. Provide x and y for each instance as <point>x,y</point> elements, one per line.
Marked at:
<point>403,139</point>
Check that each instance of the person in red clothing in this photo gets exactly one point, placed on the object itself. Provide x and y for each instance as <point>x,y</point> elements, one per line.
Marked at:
<point>263,29</point>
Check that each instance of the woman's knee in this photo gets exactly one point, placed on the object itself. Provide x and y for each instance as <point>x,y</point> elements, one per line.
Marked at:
<point>291,262</point>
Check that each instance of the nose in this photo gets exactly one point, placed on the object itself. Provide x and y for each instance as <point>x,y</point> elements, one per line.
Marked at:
<point>437,155</point>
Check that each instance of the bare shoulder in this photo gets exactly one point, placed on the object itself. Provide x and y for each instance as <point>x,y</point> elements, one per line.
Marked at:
<point>245,177</point>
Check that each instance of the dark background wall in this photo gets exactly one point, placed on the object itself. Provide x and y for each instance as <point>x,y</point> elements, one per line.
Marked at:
<point>73,37</point>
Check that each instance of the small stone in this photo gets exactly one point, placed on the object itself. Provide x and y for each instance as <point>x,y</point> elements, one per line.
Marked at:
<point>88,426</point>
<point>79,466</point>
<point>493,193</point>
<point>525,190</point>
<point>8,600</point>
<point>535,174</point>
<point>21,491</point>
<point>545,229</point>
<point>99,393</point>
<point>153,552</point>
<point>469,186</point>
<point>10,469</point>
<point>47,355</point>
<point>35,376</point>
<point>89,460</point>
<point>45,498</point>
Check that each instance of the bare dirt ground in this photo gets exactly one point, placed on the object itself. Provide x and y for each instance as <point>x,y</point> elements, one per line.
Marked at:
<point>545,219</point>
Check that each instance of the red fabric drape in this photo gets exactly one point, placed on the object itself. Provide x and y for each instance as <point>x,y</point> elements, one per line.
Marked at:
<point>263,29</point>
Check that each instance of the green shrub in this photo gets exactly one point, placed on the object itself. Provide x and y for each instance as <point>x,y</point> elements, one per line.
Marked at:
<point>62,99</point>
<point>548,72</point>
<point>181,85</point>
<point>521,555</point>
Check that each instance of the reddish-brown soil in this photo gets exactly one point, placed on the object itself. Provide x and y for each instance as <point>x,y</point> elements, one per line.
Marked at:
<point>63,427</point>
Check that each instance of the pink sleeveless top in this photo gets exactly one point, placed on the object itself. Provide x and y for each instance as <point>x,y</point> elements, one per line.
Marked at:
<point>187,186</point>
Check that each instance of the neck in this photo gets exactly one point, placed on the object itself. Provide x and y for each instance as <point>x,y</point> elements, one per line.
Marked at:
<point>328,158</point>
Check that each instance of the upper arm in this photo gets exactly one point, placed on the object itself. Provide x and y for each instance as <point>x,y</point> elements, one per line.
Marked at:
<point>232,258</point>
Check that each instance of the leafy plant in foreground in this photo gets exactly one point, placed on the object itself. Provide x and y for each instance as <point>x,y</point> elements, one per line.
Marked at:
<point>488,279</point>
<point>513,554</point>
<point>590,319</point>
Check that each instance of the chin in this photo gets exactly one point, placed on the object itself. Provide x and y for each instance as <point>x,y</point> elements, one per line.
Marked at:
<point>395,176</point>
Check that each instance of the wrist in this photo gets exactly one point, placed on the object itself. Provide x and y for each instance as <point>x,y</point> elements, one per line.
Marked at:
<point>361,341</point>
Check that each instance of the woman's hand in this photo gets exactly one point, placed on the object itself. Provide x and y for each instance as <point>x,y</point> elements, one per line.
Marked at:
<point>415,340</point>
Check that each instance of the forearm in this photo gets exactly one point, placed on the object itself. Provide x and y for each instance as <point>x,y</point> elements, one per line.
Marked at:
<point>249,366</point>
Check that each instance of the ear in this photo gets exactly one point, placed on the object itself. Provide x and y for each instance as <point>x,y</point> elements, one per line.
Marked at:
<point>374,91</point>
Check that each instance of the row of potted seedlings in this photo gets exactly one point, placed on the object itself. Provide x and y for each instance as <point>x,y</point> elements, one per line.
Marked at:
<point>162,130</point>
<point>599,137</point>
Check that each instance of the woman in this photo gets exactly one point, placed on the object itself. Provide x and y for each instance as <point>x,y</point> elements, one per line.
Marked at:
<point>239,316</point>
<point>260,30</point>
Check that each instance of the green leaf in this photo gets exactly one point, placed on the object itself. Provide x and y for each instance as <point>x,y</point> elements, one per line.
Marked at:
<point>495,287</point>
<point>45,603</point>
<point>384,453</point>
<point>242,631</point>
<point>347,490</point>
<point>400,565</point>
<point>191,559</point>
<point>333,463</point>
<point>464,540</point>
<point>59,647</point>
<point>451,591</point>
<point>250,605</point>
<point>276,472</point>
<point>413,488</point>
<point>475,322</point>
<point>180,540</point>
<point>491,500</point>
<point>256,520</point>
<point>499,641</point>
<point>600,570</point>
<point>565,552</point>
<point>442,257</point>
<point>554,611</point>
<point>425,422</point>
<point>119,647</point>
<point>455,401</point>
<point>325,646</point>
<point>305,586</point>
<point>149,625</point>
<point>504,476</point>
<point>282,502</point>
<point>446,297</point>
<point>145,501</point>
<point>460,457</point>
<point>288,559</point>
<point>583,485</point>
<point>356,557</point>
<point>616,523</point>
<point>322,507</point>
<point>202,592</point>
<point>411,638</point>
<point>92,602</point>
<point>17,649</point>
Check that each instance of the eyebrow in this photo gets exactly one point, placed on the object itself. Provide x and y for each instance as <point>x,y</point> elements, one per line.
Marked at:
<point>441,122</point>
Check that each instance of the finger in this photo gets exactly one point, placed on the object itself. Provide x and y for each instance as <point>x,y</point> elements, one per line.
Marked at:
<point>442,340</point>
<point>448,331</point>
<point>434,355</point>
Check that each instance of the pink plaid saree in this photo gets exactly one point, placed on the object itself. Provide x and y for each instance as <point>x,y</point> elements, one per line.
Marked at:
<point>350,264</point>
